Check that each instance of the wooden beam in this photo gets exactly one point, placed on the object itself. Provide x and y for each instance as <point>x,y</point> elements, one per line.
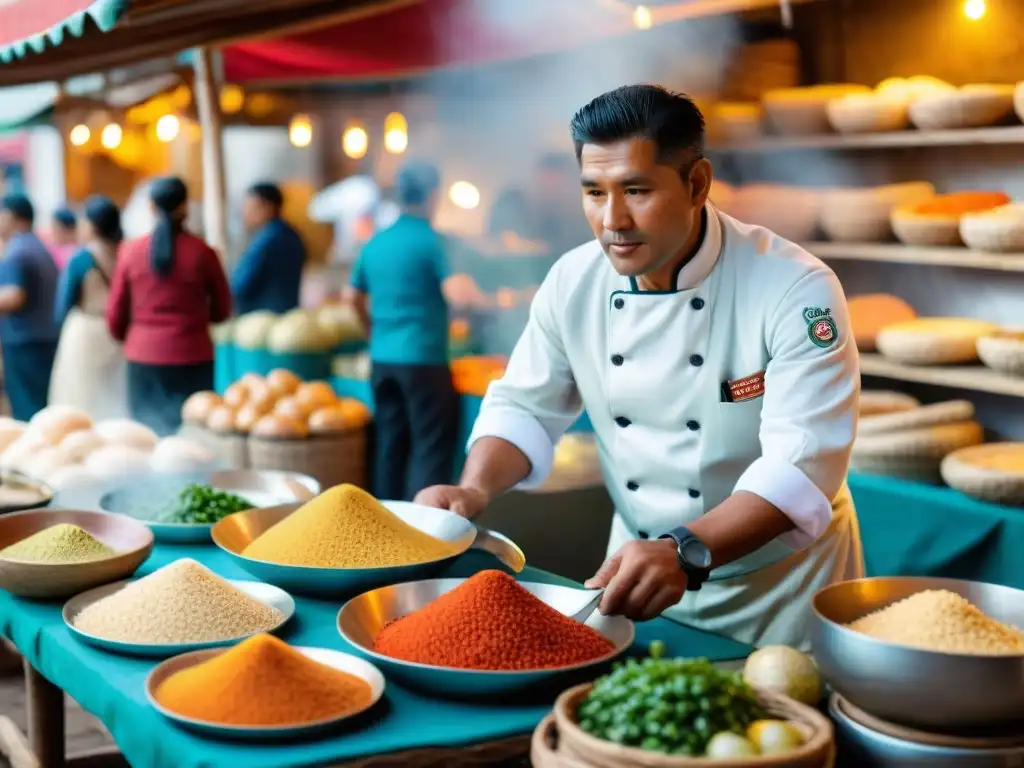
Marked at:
<point>215,221</point>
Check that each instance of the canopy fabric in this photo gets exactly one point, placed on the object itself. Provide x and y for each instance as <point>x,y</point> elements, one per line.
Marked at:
<point>26,105</point>
<point>55,39</point>
<point>422,36</point>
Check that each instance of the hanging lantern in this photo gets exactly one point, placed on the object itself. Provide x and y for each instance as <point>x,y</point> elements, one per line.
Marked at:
<point>232,99</point>
<point>464,195</point>
<point>396,133</point>
<point>355,141</point>
<point>300,131</point>
<point>167,128</point>
<point>642,17</point>
<point>110,136</point>
<point>80,135</point>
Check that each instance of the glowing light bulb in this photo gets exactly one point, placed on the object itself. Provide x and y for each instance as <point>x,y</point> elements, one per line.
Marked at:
<point>974,9</point>
<point>355,141</point>
<point>642,17</point>
<point>79,135</point>
<point>464,195</point>
<point>396,141</point>
<point>167,128</point>
<point>300,131</point>
<point>232,99</point>
<point>111,135</point>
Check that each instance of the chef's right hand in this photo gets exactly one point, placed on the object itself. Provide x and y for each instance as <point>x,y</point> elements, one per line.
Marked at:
<point>465,502</point>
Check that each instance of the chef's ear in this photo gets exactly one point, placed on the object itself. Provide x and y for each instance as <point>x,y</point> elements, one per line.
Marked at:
<point>701,176</point>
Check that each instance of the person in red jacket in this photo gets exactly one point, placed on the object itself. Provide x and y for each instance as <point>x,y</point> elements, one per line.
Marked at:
<point>168,288</point>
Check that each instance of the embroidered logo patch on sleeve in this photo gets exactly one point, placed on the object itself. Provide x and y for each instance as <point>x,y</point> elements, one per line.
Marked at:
<point>821,328</point>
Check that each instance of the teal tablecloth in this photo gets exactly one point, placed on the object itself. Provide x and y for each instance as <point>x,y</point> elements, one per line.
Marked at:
<point>912,529</point>
<point>111,686</point>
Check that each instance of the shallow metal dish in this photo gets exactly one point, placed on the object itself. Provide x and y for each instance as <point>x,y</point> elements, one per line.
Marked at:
<point>925,689</point>
<point>344,662</point>
<point>235,532</point>
<point>144,496</point>
<point>131,540</point>
<point>362,618</point>
<point>21,482</point>
<point>265,593</point>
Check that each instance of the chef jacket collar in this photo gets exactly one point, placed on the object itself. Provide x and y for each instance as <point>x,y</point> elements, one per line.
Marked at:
<point>695,270</point>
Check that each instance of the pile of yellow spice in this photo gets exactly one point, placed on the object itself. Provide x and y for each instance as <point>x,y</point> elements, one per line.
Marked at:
<point>940,620</point>
<point>345,527</point>
<point>60,544</point>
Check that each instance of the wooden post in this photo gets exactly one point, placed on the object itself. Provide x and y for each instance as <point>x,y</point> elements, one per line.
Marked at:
<point>214,189</point>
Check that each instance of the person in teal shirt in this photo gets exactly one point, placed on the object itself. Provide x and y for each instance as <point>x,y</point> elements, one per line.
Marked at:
<point>268,275</point>
<point>397,287</point>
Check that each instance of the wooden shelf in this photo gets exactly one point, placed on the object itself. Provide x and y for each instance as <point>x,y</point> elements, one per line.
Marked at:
<point>905,254</point>
<point>973,377</point>
<point>1013,134</point>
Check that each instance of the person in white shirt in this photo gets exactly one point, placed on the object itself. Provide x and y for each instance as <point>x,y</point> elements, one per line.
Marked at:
<point>715,361</point>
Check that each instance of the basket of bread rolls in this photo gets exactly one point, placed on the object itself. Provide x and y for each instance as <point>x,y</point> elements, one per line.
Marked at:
<point>283,423</point>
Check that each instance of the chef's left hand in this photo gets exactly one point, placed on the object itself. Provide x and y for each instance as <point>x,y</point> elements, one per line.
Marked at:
<point>641,580</point>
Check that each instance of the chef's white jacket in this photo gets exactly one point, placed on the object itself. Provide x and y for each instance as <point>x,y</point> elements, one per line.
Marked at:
<point>652,369</point>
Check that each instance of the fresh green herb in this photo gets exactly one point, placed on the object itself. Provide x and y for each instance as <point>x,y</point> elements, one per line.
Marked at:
<point>203,505</point>
<point>664,705</point>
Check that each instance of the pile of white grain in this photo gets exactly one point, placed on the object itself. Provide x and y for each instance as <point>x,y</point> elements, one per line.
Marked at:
<point>939,620</point>
<point>183,602</point>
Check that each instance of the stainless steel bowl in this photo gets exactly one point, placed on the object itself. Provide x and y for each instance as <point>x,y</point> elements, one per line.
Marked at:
<point>924,689</point>
<point>235,532</point>
<point>362,618</point>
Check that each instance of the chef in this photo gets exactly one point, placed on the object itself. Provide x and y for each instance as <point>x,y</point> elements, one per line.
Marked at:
<point>715,361</point>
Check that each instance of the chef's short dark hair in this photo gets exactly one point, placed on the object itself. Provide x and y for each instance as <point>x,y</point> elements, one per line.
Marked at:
<point>268,193</point>
<point>19,206</point>
<point>671,120</point>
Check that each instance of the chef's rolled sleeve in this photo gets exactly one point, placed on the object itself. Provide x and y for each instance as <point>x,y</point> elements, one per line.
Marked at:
<point>809,413</point>
<point>536,400</point>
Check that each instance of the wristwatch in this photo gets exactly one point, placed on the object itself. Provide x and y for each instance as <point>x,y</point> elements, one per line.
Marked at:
<point>694,556</point>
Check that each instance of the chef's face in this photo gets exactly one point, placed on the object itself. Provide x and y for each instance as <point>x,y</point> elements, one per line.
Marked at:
<point>645,210</point>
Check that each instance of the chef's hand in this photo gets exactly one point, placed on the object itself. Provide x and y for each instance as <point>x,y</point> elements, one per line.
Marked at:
<point>641,580</point>
<point>465,502</point>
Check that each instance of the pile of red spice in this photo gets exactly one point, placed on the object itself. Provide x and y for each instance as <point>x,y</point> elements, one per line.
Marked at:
<point>491,622</point>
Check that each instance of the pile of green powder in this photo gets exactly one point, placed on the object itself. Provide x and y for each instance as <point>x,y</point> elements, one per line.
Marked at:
<point>63,543</point>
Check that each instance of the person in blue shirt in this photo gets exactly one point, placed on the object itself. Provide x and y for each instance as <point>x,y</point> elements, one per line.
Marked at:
<point>397,287</point>
<point>268,275</point>
<point>89,372</point>
<point>28,333</point>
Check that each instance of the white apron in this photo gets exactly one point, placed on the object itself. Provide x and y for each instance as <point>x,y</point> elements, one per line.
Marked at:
<point>649,368</point>
<point>89,369</point>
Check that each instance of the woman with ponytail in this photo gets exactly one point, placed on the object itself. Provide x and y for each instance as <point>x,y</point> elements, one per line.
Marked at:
<point>89,372</point>
<point>168,288</point>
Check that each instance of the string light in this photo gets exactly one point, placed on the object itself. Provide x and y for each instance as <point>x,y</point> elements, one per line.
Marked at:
<point>464,195</point>
<point>167,128</point>
<point>111,135</point>
<point>396,133</point>
<point>300,131</point>
<point>355,141</point>
<point>642,17</point>
<point>232,99</point>
<point>974,9</point>
<point>80,135</point>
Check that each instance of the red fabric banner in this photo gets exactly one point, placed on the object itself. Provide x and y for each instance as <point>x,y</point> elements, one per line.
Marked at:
<point>20,19</point>
<point>424,36</point>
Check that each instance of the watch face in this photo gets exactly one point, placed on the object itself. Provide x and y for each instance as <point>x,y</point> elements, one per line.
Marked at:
<point>695,554</point>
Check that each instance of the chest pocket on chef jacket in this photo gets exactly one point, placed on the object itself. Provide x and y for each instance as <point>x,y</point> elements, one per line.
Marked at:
<point>739,427</point>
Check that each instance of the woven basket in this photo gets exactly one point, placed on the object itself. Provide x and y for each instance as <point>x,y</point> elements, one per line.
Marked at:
<point>874,402</point>
<point>1003,352</point>
<point>789,212</point>
<point>997,231</point>
<point>231,448</point>
<point>932,415</point>
<point>925,229</point>
<point>973,106</point>
<point>862,215</point>
<point>915,470</point>
<point>1018,100</point>
<point>913,454</point>
<point>484,755</point>
<point>933,341</point>
<point>572,743</point>
<point>804,111</point>
<point>330,459</point>
<point>993,472</point>
<point>867,114</point>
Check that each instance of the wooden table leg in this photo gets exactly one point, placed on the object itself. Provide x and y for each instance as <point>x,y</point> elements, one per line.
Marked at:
<point>45,704</point>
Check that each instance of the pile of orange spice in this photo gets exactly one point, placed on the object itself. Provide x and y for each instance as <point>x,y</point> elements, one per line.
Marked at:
<point>263,682</point>
<point>959,203</point>
<point>491,622</point>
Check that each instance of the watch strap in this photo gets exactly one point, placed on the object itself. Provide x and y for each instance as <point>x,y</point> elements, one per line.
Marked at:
<point>695,576</point>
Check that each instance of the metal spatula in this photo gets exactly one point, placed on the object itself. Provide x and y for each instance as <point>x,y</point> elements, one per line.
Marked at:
<point>584,611</point>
